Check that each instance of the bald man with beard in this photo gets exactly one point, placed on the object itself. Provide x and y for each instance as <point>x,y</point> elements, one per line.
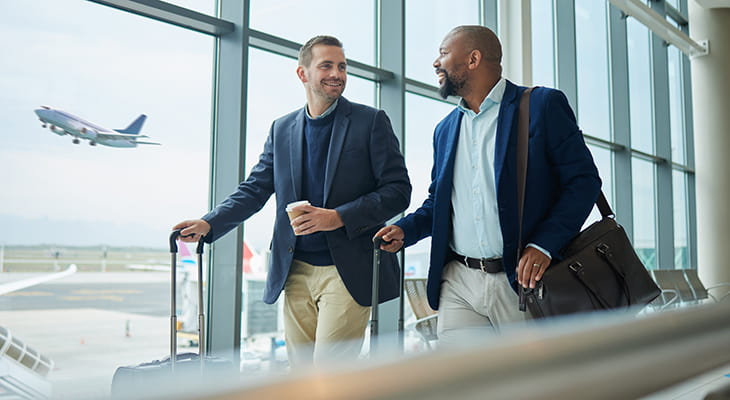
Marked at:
<point>471,209</point>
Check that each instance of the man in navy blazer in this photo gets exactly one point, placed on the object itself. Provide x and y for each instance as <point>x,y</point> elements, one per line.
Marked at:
<point>471,211</point>
<point>345,160</point>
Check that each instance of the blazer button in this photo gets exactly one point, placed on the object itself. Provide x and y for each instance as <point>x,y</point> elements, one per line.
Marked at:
<point>291,249</point>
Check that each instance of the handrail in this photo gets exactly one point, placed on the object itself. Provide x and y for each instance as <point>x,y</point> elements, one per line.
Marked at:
<point>606,355</point>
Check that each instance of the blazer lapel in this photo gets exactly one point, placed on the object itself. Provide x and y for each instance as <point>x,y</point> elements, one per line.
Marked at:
<point>337,141</point>
<point>507,111</point>
<point>295,152</point>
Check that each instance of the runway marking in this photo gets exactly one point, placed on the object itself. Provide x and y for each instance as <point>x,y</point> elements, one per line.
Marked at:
<point>117,299</point>
<point>29,294</point>
<point>110,291</point>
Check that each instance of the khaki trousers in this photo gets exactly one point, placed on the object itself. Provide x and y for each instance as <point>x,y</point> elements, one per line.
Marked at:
<point>474,302</point>
<point>322,322</point>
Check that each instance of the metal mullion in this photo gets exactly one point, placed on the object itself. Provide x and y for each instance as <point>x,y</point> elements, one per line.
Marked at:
<point>664,199</point>
<point>172,14</point>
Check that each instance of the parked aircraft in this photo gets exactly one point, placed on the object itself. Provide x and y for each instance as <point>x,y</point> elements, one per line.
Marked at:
<point>64,123</point>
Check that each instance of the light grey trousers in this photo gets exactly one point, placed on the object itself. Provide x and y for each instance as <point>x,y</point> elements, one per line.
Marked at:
<point>474,302</point>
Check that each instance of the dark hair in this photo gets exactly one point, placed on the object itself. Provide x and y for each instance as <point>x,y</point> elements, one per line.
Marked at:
<point>305,53</point>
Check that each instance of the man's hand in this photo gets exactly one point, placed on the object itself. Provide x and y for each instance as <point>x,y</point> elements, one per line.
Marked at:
<point>315,219</point>
<point>393,234</point>
<point>532,265</point>
<point>192,229</point>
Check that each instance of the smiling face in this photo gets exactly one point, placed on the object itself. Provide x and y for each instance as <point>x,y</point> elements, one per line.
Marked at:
<point>451,66</point>
<point>325,77</point>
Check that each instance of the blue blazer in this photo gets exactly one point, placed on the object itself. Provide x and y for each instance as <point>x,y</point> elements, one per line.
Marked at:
<point>562,182</point>
<point>365,181</point>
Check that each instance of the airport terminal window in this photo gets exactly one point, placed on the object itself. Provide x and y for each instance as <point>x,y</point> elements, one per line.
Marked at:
<point>543,51</point>
<point>681,242</point>
<point>427,22</point>
<point>640,87</point>
<point>644,204</point>
<point>676,105</point>
<point>105,209</point>
<point>592,69</point>
<point>353,22</point>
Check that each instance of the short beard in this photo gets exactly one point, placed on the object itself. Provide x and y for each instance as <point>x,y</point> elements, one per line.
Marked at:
<point>450,87</point>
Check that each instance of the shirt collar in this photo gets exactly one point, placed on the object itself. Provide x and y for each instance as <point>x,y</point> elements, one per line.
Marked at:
<point>326,112</point>
<point>494,97</point>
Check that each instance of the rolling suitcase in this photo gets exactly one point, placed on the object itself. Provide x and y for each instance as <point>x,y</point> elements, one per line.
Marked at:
<point>374,316</point>
<point>175,369</point>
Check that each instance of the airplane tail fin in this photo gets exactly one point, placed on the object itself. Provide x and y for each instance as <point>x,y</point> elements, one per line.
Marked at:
<point>134,127</point>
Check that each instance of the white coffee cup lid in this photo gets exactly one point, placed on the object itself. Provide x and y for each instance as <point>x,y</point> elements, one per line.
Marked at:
<point>290,206</point>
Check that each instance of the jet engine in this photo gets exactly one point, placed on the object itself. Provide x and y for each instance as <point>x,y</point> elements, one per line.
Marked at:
<point>57,131</point>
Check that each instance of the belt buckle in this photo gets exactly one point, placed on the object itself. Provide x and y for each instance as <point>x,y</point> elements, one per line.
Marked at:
<point>482,265</point>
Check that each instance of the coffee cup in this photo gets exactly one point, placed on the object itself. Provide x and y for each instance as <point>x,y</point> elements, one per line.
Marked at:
<point>293,214</point>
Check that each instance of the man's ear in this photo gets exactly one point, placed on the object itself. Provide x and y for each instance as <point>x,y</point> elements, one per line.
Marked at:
<point>475,58</point>
<point>302,74</point>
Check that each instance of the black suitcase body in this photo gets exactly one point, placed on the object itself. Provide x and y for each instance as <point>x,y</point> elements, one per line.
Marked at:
<point>175,369</point>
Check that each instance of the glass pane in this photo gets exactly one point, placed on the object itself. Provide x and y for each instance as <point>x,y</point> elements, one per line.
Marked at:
<point>681,244</point>
<point>644,211</point>
<point>543,53</point>
<point>603,159</point>
<point>640,98</point>
<point>425,28</point>
<point>676,105</point>
<point>201,6</point>
<point>422,115</point>
<point>353,22</point>
<point>592,53</point>
<point>260,321</point>
<point>107,210</point>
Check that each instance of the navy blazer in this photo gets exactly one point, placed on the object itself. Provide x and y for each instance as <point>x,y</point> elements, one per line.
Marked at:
<point>562,182</point>
<point>365,181</point>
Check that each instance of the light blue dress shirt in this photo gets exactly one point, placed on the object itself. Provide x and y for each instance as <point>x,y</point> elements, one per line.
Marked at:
<point>475,216</point>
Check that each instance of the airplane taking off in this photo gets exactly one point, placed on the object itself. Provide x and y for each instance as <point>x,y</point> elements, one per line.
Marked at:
<point>64,123</point>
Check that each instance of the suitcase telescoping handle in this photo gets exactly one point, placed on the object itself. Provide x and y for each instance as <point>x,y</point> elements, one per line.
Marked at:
<point>173,290</point>
<point>377,242</point>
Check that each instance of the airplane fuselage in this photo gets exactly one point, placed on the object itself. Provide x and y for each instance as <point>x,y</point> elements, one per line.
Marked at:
<point>63,123</point>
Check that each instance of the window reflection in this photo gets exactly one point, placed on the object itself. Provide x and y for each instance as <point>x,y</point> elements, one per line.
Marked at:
<point>592,68</point>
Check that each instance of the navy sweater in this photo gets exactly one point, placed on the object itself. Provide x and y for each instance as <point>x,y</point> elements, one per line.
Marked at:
<point>313,248</point>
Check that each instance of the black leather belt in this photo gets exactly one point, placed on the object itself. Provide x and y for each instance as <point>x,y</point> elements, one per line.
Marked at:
<point>488,265</point>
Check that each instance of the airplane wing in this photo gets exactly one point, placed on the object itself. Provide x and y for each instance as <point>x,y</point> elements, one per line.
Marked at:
<point>117,136</point>
<point>6,288</point>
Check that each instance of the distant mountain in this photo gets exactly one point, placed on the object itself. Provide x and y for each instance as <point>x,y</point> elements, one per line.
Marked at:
<point>32,231</point>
